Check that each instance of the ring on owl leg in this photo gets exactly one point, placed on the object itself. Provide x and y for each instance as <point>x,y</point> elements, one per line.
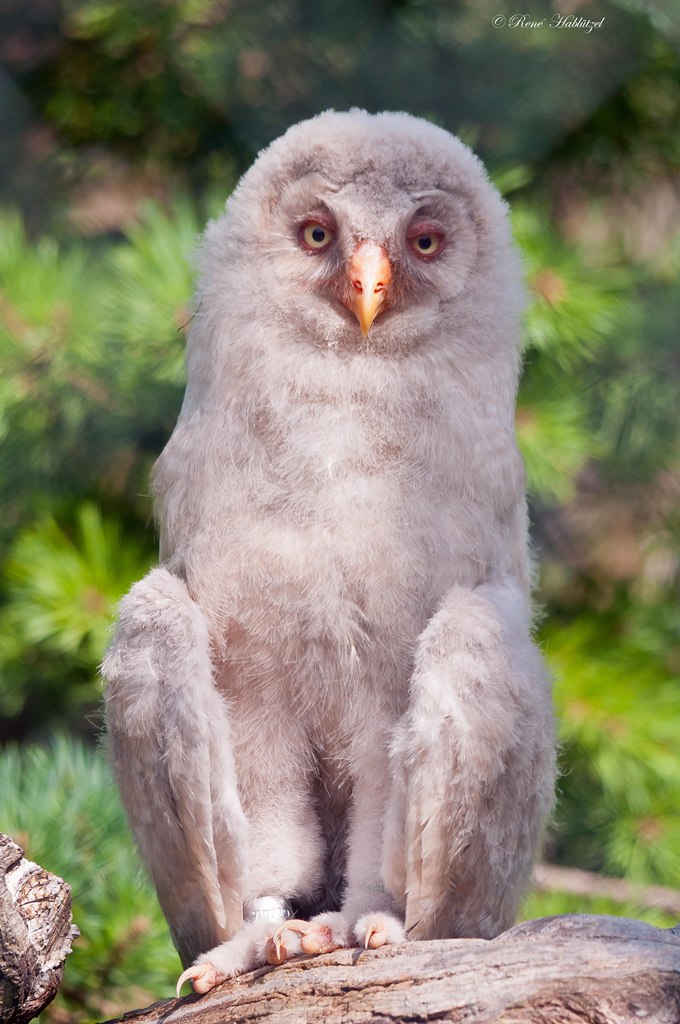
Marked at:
<point>274,909</point>
<point>267,908</point>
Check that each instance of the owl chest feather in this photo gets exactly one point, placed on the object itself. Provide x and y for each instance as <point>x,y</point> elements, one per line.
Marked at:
<point>329,523</point>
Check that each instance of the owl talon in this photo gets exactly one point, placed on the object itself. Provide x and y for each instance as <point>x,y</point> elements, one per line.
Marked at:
<point>315,938</point>
<point>203,977</point>
<point>301,927</point>
<point>374,937</point>
<point>378,929</point>
<point>275,952</point>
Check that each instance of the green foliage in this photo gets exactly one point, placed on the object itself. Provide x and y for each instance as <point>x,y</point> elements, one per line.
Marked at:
<point>575,310</point>
<point>153,282</point>
<point>193,85</point>
<point>618,705</point>
<point>49,382</point>
<point>60,804</point>
<point>148,311</point>
<point>576,306</point>
<point>61,590</point>
<point>547,904</point>
<point>128,56</point>
<point>554,439</point>
<point>636,401</point>
<point>91,354</point>
<point>581,132</point>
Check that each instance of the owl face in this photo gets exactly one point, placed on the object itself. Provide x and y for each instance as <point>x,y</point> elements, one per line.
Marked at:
<point>362,231</point>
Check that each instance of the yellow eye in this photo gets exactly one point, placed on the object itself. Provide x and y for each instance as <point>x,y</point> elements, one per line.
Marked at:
<point>315,236</point>
<point>427,244</point>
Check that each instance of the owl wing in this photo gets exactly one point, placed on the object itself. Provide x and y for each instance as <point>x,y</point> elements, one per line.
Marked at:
<point>172,756</point>
<point>473,768</point>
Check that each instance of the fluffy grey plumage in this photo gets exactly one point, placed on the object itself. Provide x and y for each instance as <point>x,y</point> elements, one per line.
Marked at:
<point>328,692</point>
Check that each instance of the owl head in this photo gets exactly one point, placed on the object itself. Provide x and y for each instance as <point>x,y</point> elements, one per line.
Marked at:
<point>359,232</point>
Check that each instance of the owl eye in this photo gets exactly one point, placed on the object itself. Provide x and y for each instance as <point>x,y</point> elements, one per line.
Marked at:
<point>315,236</point>
<point>426,243</point>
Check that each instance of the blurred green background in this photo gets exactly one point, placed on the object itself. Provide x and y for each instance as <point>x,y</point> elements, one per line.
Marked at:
<point>124,126</point>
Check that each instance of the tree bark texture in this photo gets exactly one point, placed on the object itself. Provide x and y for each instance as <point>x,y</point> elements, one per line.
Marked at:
<point>572,969</point>
<point>35,934</point>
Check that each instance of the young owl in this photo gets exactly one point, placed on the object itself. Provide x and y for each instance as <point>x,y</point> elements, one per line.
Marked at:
<point>328,719</point>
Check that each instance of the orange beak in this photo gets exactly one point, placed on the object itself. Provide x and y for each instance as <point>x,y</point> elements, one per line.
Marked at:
<point>370,273</point>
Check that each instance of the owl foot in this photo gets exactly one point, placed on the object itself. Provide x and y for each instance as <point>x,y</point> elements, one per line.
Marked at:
<point>246,951</point>
<point>327,932</point>
<point>269,942</point>
<point>322,934</point>
<point>203,977</point>
<point>378,929</point>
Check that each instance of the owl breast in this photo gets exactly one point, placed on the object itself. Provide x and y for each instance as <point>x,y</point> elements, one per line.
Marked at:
<point>323,510</point>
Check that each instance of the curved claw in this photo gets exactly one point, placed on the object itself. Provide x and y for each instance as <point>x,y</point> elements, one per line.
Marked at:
<point>185,976</point>
<point>301,927</point>
<point>203,977</point>
<point>275,952</point>
<point>315,938</point>
<point>374,937</point>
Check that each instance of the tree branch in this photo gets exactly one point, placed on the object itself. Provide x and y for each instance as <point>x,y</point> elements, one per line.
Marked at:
<point>551,878</point>
<point>35,934</point>
<point>574,969</point>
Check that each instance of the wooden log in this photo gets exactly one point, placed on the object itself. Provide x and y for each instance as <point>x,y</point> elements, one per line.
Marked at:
<point>35,934</point>
<point>572,969</point>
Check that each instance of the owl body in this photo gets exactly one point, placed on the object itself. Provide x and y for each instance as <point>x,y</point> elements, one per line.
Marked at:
<point>343,529</point>
<point>338,514</point>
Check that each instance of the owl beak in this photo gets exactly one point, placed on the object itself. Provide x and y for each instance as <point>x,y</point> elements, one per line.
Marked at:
<point>370,273</point>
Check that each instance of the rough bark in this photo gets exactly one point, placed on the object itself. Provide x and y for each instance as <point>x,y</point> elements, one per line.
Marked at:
<point>573,969</point>
<point>35,934</point>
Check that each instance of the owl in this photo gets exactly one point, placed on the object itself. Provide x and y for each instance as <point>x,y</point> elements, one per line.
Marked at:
<point>328,719</point>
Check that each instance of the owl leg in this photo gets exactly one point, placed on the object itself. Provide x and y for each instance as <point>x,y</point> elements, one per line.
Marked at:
<point>366,918</point>
<point>367,915</point>
<point>370,910</point>
<point>472,767</point>
<point>171,749</point>
<point>285,848</point>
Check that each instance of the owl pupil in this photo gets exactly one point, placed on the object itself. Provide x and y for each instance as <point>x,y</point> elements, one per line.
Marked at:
<point>318,234</point>
<point>424,242</point>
